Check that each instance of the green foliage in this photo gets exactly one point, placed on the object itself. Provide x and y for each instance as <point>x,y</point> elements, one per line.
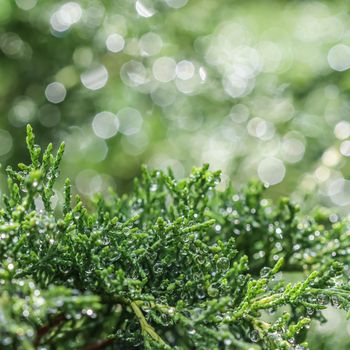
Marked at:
<point>173,265</point>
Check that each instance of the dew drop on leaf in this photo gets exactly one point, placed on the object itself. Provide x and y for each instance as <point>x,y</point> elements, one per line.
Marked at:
<point>227,341</point>
<point>223,263</point>
<point>200,293</point>
<point>335,301</point>
<point>254,336</point>
<point>192,331</point>
<point>264,272</point>
<point>217,228</point>
<point>153,188</point>
<point>309,311</point>
<point>322,299</point>
<point>157,268</point>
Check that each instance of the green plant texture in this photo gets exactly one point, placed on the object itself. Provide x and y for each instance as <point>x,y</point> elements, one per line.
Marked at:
<point>172,265</point>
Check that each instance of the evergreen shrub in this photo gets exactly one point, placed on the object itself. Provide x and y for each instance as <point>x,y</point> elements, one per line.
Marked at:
<point>171,265</point>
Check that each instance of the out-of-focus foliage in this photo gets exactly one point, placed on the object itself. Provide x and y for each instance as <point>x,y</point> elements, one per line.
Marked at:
<point>252,87</point>
<point>153,270</point>
<point>255,88</point>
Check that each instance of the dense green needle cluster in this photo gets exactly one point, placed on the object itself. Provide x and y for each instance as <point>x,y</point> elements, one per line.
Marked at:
<point>172,265</point>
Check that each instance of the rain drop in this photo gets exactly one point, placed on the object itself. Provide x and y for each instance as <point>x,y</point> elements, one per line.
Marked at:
<point>254,336</point>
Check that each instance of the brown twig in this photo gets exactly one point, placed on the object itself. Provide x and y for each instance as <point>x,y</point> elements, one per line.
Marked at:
<point>46,328</point>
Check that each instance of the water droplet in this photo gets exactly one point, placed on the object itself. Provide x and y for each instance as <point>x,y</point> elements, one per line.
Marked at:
<point>165,319</point>
<point>335,301</point>
<point>236,232</point>
<point>217,228</point>
<point>223,263</point>
<point>200,259</point>
<point>227,341</point>
<point>212,291</point>
<point>90,313</point>
<point>254,336</point>
<point>158,268</point>
<point>7,341</point>
<point>153,188</point>
<point>264,272</point>
<point>25,313</point>
<point>291,341</point>
<point>322,299</point>
<point>309,311</point>
<point>278,232</point>
<point>200,293</point>
<point>191,331</point>
<point>296,247</point>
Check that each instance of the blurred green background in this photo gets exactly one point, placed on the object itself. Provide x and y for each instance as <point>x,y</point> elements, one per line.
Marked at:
<point>255,88</point>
